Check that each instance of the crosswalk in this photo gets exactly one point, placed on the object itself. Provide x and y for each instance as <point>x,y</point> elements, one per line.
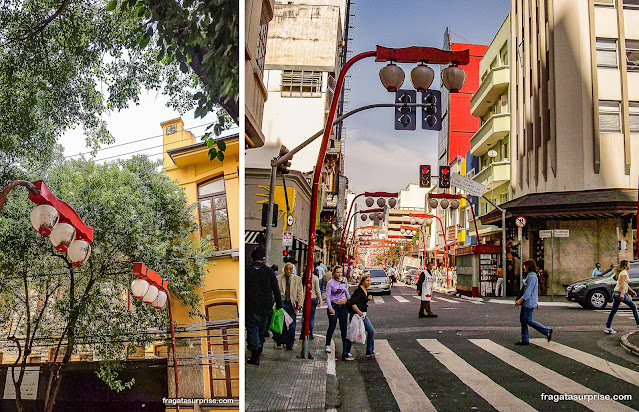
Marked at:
<point>415,387</point>
<point>379,300</point>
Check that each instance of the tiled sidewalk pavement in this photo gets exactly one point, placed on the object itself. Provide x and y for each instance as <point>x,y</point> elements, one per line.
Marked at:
<point>284,382</point>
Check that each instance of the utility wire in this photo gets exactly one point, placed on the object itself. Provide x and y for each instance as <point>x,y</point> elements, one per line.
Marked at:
<point>137,140</point>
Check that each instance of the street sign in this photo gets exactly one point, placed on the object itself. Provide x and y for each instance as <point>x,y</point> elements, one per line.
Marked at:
<point>561,233</point>
<point>289,220</point>
<point>467,185</point>
<point>287,239</point>
<point>520,221</point>
<point>545,234</point>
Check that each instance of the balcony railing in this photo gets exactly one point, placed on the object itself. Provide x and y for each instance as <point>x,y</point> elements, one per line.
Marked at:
<point>494,174</point>
<point>496,128</point>
<point>494,85</point>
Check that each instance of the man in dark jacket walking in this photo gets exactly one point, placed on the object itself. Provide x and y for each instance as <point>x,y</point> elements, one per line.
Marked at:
<point>260,290</point>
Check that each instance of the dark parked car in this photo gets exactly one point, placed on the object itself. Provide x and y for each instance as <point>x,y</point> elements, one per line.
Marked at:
<point>596,292</point>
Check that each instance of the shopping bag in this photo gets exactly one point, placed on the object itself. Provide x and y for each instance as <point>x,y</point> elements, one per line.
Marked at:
<point>287,319</point>
<point>277,321</point>
<point>356,332</point>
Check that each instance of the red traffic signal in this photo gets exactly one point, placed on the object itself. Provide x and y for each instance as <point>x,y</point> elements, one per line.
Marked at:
<point>424,176</point>
<point>444,177</point>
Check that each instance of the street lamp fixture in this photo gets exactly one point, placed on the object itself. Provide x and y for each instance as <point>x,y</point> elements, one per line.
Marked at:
<point>453,78</point>
<point>422,77</point>
<point>392,77</point>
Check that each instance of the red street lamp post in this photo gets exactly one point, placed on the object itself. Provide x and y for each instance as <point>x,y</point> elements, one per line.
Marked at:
<point>453,78</point>
<point>56,219</point>
<point>348,225</point>
<point>153,290</point>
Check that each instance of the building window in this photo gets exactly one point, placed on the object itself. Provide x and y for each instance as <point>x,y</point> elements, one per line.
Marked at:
<point>296,83</point>
<point>634,116</point>
<point>609,116</point>
<point>504,198</point>
<point>608,3</point>
<point>632,55</point>
<point>223,347</point>
<point>261,45</point>
<point>214,219</point>
<point>607,53</point>
<point>631,4</point>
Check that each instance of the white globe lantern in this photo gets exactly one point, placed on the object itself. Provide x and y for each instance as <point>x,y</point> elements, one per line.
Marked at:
<point>433,203</point>
<point>150,295</point>
<point>160,301</point>
<point>422,77</point>
<point>61,236</point>
<point>371,216</point>
<point>139,287</point>
<point>369,201</point>
<point>413,220</point>
<point>44,218</point>
<point>429,221</point>
<point>78,252</point>
<point>381,202</point>
<point>380,215</point>
<point>454,204</point>
<point>364,217</point>
<point>453,78</point>
<point>392,202</point>
<point>444,203</point>
<point>392,77</point>
<point>402,231</point>
<point>420,220</point>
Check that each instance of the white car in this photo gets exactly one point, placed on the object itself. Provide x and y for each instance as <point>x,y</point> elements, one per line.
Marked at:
<point>380,282</point>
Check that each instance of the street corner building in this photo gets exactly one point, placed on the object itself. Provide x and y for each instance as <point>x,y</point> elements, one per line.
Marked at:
<point>208,365</point>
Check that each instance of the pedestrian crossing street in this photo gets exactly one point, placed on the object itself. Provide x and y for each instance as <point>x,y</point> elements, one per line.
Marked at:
<point>505,362</point>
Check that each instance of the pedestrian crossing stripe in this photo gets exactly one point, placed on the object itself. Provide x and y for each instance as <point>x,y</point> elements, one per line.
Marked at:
<point>549,378</point>
<point>408,395</point>
<point>592,361</point>
<point>497,396</point>
<point>400,299</point>
<point>378,299</point>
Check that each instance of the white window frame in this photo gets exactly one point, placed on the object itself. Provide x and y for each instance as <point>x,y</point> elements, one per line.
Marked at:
<point>604,45</point>
<point>633,116</point>
<point>631,4</point>
<point>299,83</point>
<point>632,49</point>
<point>605,3</point>
<point>610,108</point>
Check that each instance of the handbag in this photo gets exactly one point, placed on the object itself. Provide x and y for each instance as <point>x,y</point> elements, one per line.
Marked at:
<point>277,321</point>
<point>521,292</point>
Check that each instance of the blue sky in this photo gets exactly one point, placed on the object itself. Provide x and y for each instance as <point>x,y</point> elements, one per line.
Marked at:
<point>377,156</point>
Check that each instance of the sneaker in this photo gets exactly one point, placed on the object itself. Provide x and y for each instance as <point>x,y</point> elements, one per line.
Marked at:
<point>328,349</point>
<point>610,331</point>
<point>349,358</point>
<point>549,336</point>
<point>371,355</point>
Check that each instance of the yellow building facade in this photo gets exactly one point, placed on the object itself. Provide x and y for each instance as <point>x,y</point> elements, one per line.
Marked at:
<point>208,365</point>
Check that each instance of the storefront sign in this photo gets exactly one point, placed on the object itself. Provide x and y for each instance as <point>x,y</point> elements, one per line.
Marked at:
<point>29,387</point>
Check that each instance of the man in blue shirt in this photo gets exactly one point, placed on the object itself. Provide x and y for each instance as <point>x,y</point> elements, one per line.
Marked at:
<point>597,271</point>
<point>529,302</point>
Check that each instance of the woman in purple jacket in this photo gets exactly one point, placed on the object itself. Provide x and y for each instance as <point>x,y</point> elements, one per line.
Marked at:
<point>336,297</point>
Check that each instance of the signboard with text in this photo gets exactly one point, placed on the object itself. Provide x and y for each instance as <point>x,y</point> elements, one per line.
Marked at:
<point>467,185</point>
<point>287,239</point>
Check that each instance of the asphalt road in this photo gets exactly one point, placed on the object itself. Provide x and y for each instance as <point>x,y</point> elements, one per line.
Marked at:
<point>466,359</point>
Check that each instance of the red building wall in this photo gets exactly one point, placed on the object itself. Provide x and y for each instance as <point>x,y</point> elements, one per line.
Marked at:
<point>462,124</point>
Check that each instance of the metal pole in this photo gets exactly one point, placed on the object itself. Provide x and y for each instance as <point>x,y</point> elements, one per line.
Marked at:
<point>617,244</point>
<point>503,252</point>
<point>552,267</point>
<point>477,231</point>
<point>175,370</point>
<point>346,225</point>
<point>269,217</point>
<point>5,191</point>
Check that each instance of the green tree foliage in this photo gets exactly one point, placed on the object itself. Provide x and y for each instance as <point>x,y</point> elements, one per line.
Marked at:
<point>137,214</point>
<point>66,63</point>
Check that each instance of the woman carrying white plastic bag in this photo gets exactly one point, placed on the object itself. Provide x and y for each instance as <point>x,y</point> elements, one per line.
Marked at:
<point>356,333</point>
<point>358,306</point>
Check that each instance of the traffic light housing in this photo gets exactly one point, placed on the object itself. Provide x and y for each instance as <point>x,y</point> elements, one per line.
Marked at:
<point>424,176</point>
<point>432,112</point>
<point>444,177</point>
<point>283,168</point>
<point>276,211</point>
<point>288,255</point>
<point>405,117</point>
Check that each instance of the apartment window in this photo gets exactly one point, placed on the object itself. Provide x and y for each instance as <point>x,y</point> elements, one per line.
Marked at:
<point>632,55</point>
<point>607,53</point>
<point>609,116</point>
<point>503,53</point>
<point>261,44</point>
<point>608,3</point>
<point>296,83</point>
<point>634,116</point>
<point>214,219</point>
<point>223,350</point>
<point>504,198</point>
<point>631,4</point>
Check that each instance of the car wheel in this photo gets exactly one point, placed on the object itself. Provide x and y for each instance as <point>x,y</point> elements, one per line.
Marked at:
<point>597,299</point>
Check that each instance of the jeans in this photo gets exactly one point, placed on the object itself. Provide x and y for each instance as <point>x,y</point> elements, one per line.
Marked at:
<point>288,307</point>
<point>313,307</point>
<point>370,337</point>
<point>341,314</point>
<point>616,301</point>
<point>321,282</point>
<point>256,325</point>
<point>526,318</point>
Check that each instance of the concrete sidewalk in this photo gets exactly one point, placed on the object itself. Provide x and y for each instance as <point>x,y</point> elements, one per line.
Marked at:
<point>284,382</point>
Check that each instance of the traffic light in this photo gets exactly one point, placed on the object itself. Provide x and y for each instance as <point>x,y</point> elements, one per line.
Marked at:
<point>424,176</point>
<point>432,112</point>
<point>444,177</point>
<point>515,250</point>
<point>405,117</point>
<point>283,168</point>
<point>265,214</point>
<point>288,255</point>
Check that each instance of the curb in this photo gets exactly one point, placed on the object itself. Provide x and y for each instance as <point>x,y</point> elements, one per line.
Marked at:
<point>332,401</point>
<point>629,346</point>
